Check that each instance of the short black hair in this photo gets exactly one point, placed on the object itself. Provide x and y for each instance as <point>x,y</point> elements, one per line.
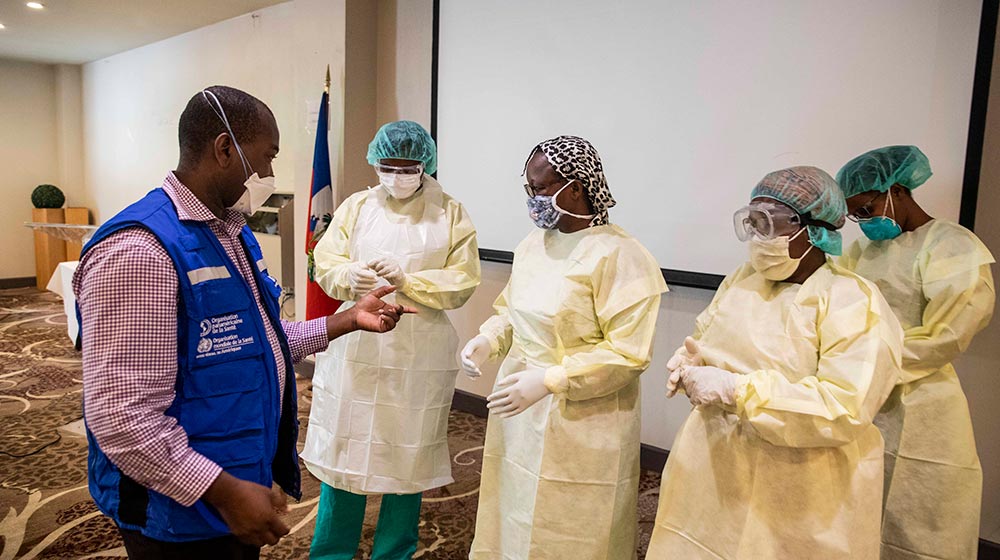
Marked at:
<point>200,125</point>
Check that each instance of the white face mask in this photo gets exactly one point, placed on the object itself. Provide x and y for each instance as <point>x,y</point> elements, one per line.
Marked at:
<point>770,257</point>
<point>258,189</point>
<point>401,185</point>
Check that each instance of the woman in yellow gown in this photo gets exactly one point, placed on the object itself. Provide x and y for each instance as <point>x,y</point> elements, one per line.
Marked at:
<point>575,328</point>
<point>787,368</point>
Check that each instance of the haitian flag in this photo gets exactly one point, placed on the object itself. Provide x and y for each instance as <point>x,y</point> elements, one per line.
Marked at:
<point>318,304</point>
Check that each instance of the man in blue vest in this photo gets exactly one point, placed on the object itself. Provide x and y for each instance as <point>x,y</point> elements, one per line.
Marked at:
<point>189,392</point>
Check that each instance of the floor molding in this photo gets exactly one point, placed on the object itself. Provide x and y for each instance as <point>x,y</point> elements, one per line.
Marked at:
<point>651,458</point>
<point>470,403</point>
<point>21,282</point>
<point>989,550</point>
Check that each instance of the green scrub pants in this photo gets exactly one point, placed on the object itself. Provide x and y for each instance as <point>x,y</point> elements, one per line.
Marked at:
<point>341,515</point>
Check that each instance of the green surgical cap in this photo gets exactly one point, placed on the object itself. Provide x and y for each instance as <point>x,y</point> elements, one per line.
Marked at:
<point>811,192</point>
<point>880,169</point>
<point>404,140</point>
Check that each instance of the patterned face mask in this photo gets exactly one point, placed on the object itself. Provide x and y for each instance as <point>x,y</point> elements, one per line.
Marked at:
<point>545,211</point>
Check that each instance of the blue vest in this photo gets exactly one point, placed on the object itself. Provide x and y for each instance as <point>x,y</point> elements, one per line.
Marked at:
<point>227,380</point>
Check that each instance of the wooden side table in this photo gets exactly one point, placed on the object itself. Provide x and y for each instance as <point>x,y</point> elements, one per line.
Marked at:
<point>49,250</point>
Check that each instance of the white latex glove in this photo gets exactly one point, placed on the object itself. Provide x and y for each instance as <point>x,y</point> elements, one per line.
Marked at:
<point>475,354</point>
<point>389,269</point>
<point>517,392</point>
<point>688,355</point>
<point>709,385</point>
<point>361,279</point>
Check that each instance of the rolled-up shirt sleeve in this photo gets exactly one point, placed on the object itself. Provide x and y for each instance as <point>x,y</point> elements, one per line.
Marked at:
<point>127,290</point>
<point>305,337</point>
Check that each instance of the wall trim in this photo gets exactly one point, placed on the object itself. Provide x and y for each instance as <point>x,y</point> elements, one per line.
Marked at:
<point>17,282</point>
<point>988,550</point>
<point>977,114</point>
<point>435,44</point>
<point>470,403</point>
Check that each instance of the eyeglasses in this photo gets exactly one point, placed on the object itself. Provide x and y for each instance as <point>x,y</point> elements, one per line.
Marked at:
<point>865,212</point>
<point>533,191</point>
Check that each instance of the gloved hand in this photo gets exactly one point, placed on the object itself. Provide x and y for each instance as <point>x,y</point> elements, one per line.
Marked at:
<point>709,385</point>
<point>685,356</point>
<point>390,270</point>
<point>475,354</point>
<point>361,279</point>
<point>517,392</point>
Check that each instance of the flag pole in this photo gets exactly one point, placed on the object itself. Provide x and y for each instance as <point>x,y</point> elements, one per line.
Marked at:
<point>327,88</point>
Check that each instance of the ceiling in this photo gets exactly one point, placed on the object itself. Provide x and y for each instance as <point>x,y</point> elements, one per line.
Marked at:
<point>78,31</point>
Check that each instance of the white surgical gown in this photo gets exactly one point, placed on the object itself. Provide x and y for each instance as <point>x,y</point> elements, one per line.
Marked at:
<point>379,418</point>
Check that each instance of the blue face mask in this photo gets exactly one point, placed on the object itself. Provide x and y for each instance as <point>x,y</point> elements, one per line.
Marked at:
<point>544,211</point>
<point>881,228</point>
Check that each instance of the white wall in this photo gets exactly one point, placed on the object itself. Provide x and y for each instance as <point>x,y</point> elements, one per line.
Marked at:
<point>392,38</point>
<point>712,91</point>
<point>39,143</point>
<point>69,130</point>
<point>133,100</point>
<point>404,61</point>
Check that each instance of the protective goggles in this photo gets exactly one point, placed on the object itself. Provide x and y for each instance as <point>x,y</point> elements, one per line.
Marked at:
<point>766,220</point>
<point>399,170</point>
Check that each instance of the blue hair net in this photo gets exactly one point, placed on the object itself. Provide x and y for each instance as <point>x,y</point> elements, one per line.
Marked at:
<point>880,169</point>
<point>811,192</point>
<point>404,140</point>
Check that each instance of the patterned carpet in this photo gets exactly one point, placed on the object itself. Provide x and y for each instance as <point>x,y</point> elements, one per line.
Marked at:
<point>47,510</point>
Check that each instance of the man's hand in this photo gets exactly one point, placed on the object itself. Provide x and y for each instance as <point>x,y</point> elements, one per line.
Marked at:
<point>248,510</point>
<point>374,315</point>
<point>370,313</point>
<point>279,499</point>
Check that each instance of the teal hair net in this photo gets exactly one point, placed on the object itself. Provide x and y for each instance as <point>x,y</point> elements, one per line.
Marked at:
<point>880,169</point>
<point>404,140</point>
<point>813,193</point>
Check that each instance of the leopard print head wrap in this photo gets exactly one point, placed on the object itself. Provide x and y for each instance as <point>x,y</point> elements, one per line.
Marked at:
<point>576,159</point>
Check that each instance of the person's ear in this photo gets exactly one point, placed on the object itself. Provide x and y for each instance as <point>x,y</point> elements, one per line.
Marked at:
<point>222,150</point>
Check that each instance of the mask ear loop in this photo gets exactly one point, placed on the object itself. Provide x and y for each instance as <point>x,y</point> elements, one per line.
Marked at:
<point>792,238</point>
<point>560,210</point>
<point>221,113</point>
